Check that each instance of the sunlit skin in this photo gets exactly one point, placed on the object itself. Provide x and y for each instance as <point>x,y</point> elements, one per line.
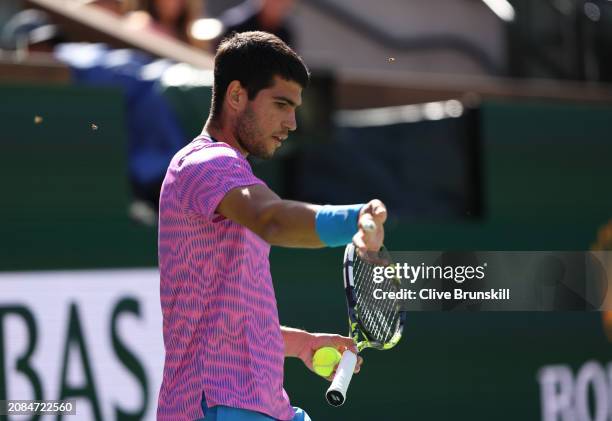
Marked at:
<point>167,17</point>
<point>169,10</point>
<point>274,12</point>
<point>112,6</point>
<point>258,126</point>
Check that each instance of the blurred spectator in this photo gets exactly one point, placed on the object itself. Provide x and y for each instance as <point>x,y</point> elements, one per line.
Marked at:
<point>260,15</point>
<point>116,7</point>
<point>153,130</point>
<point>170,17</point>
<point>30,30</point>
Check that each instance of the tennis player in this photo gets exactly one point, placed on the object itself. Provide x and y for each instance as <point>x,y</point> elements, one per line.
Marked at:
<point>225,347</point>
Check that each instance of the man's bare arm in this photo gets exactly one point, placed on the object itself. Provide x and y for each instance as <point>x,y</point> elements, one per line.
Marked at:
<point>292,224</point>
<point>278,222</point>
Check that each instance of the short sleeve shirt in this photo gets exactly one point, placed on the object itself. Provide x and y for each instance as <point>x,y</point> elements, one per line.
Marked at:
<point>220,320</point>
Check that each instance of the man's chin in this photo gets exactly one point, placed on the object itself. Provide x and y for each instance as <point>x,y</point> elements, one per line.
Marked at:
<point>263,150</point>
<point>263,154</point>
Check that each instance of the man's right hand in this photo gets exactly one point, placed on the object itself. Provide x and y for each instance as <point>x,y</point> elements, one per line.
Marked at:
<point>371,241</point>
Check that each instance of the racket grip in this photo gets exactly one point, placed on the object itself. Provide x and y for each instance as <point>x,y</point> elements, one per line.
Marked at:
<point>336,394</point>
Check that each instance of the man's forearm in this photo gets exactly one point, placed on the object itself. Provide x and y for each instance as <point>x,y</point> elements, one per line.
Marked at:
<point>279,222</point>
<point>297,224</point>
<point>291,224</point>
<point>313,225</point>
<point>294,340</point>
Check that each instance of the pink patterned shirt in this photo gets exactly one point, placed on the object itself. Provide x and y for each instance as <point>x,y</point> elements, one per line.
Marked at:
<point>221,330</point>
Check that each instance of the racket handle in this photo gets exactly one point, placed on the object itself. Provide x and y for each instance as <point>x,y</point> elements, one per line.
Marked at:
<point>336,394</point>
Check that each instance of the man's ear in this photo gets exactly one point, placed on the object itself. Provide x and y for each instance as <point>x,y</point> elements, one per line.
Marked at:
<point>236,96</point>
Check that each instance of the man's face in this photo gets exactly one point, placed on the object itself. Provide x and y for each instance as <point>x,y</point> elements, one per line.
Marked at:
<point>267,120</point>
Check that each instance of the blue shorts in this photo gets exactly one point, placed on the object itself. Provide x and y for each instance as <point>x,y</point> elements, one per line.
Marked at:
<point>226,413</point>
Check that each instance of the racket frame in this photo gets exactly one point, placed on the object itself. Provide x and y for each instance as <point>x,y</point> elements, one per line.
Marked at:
<point>356,329</point>
<point>336,394</point>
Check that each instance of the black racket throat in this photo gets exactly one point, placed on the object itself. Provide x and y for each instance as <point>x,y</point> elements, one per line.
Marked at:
<point>373,322</point>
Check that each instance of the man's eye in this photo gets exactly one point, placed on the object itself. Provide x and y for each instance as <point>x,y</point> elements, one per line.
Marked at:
<point>281,104</point>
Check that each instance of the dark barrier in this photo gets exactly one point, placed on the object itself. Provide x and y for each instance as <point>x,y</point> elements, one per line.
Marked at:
<point>546,181</point>
<point>547,163</point>
<point>65,193</point>
<point>424,169</point>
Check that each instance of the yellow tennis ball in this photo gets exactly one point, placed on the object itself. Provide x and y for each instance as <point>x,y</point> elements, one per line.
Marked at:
<point>325,360</point>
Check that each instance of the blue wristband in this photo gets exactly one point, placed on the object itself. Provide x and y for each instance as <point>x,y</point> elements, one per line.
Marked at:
<point>336,225</point>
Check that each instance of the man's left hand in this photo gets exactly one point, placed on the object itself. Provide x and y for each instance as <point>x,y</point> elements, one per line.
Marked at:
<point>313,341</point>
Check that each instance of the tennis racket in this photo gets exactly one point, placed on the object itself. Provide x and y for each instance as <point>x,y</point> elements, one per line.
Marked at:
<point>372,323</point>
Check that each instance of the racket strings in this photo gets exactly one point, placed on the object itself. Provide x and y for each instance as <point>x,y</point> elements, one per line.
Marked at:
<point>378,317</point>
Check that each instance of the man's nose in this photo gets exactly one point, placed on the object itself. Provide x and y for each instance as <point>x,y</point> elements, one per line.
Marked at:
<point>290,122</point>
